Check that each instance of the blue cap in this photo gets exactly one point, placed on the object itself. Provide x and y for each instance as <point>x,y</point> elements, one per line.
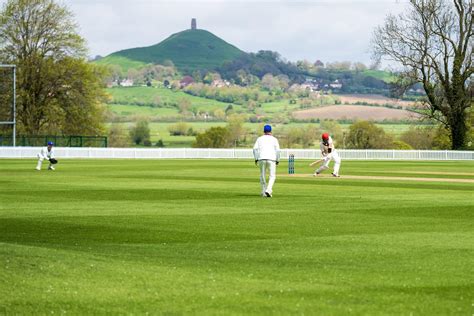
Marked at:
<point>267,129</point>
<point>50,144</point>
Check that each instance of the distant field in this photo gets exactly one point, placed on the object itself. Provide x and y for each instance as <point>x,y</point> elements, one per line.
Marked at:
<point>373,99</point>
<point>193,237</point>
<point>160,95</point>
<point>361,112</point>
<point>160,130</point>
<point>133,111</point>
<point>128,110</point>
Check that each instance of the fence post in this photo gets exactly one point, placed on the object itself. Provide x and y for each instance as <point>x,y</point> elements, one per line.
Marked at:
<point>446,154</point>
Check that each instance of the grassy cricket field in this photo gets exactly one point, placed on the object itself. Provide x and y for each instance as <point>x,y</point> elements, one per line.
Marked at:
<point>179,237</point>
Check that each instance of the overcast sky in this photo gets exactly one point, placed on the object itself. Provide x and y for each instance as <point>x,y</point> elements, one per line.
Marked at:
<point>328,30</point>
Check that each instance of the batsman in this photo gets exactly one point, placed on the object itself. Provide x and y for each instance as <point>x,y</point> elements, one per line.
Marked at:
<point>329,153</point>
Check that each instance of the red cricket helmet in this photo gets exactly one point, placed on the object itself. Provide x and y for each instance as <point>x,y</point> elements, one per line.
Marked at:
<point>325,136</point>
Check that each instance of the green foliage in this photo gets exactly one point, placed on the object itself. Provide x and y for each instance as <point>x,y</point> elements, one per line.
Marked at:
<point>58,92</point>
<point>180,129</point>
<point>140,133</point>
<point>304,136</point>
<point>233,94</point>
<point>160,143</point>
<point>333,128</point>
<point>124,64</point>
<point>215,137</point>
<point>426,137</point>
<point>131,236</point>
<point>117,137</point>
<point>235,128</point>
<point>366,135</point>
<point>189,50</point>
<point>159,98</point>
<point>401,145</point>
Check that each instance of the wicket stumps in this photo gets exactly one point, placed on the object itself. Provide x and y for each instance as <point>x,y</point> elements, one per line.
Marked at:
<point>291,164</point>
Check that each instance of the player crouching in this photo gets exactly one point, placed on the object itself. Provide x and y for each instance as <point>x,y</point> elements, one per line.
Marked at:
<point>47,153</point>
<point>329,153</point>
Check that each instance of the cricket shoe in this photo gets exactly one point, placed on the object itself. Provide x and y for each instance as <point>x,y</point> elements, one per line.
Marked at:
<point>315,174</point>
<point>51,168</point>
<point>38,168</point>
<point>268,194</point>
<point>335,175</point>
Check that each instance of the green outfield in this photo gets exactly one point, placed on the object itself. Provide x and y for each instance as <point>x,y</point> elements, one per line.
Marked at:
<point>194,237</point>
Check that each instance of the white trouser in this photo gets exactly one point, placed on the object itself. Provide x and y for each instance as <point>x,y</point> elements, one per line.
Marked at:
<point>337,163</point>
<point>271,166</point>
<point>40,162</point>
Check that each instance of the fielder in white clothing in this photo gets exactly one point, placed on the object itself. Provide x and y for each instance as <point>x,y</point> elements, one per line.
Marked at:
<point>267,155</point>
<point>46,154</point>
<point>329,153</point>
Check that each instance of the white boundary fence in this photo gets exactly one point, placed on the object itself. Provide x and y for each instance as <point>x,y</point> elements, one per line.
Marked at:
<point>212,153</point>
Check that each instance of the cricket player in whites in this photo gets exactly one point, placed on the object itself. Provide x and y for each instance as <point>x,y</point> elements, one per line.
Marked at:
<point>267,155</point>
<point>329,153</point>
<point>48,154</point>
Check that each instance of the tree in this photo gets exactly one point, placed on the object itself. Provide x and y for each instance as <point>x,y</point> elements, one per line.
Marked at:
<point>333,128</point>
<point>428,137</point>
<point>215,137</point>
<point>184,105</point>
<point>140,133</point>
<point>359,66</point>
<point>366,135</point>
<point>235,127</point>
<point>433,42</point>
<point>117,137</point>
<point>179,129</point>
<point>58,91</point>
<point>339,65</point>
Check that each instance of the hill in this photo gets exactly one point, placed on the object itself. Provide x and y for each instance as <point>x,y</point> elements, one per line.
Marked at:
<point>188,50</point>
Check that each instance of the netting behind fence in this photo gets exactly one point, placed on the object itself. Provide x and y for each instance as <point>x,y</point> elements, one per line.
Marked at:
<point>60,141</point>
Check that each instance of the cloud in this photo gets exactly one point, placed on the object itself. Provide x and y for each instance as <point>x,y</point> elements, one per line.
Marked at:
<point>317,29</point>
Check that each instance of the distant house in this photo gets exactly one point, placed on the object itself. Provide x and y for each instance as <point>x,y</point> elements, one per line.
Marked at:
<point>336,85</point>
<point>219,83</point>
<point>126,83</point>
<point>186,81</point>
<point>311,85</point>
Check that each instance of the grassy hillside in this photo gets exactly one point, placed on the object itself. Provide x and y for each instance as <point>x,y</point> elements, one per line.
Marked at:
<point>381,75</point>
<point>159,102</point>
<point>99,237</point>
<point>188,50</point>
<point>123,62</point>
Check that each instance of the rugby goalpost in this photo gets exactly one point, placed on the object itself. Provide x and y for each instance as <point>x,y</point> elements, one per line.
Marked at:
<point>13,103</point>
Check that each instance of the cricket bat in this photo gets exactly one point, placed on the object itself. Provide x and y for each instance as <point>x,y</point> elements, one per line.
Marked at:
<point>315,162</point>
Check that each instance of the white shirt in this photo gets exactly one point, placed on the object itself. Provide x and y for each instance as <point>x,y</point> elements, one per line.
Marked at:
<point>45,154</point>
<point>325,148</point>
<point>266,148</point>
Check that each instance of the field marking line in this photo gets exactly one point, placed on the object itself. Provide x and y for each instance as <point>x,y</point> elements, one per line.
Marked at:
<point>380,178</point>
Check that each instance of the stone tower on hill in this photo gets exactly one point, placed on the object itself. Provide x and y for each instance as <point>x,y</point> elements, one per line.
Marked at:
<point>193,24</point>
